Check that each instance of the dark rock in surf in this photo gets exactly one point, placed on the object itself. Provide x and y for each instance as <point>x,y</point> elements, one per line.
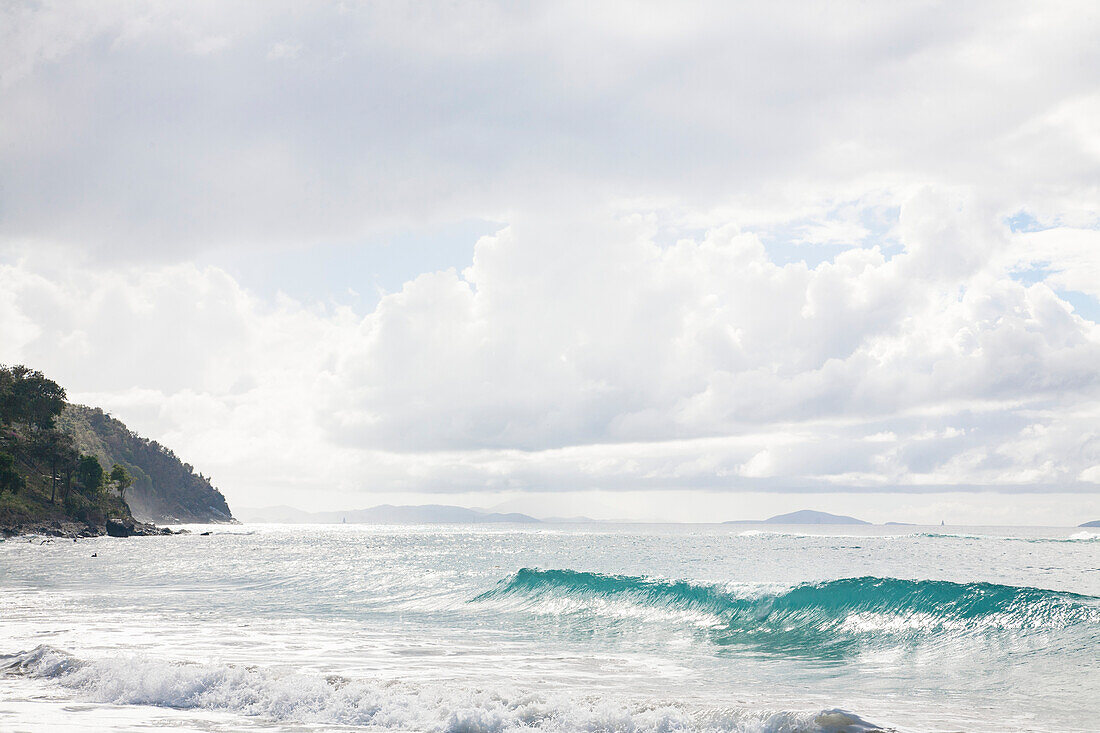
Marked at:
<point>130,528</point>
<point>116,528</point>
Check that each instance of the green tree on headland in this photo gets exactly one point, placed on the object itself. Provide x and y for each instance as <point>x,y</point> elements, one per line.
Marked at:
<point>91,476</point>
<point>29,406</point>
<point>49,447</point>
<point>164,487</point>
<point>39,461</point>
<point>29,397</point>
<point>121,478</point>
<point>10,480</point>
<point>56,457</point>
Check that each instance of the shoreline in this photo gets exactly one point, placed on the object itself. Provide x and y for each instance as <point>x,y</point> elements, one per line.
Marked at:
<point>75,530</point>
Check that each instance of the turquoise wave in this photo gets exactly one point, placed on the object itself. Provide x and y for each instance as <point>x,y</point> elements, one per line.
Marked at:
<point>826,617</point>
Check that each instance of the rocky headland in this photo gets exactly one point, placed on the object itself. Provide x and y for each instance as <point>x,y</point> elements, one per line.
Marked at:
<point>70,471</point>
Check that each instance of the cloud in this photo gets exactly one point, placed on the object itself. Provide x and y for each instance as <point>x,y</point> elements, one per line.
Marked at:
<point>582,354</point>
<point>562,339</point>
<point>1068,253</point>
<point>160,131</point>
<point>848,248</point>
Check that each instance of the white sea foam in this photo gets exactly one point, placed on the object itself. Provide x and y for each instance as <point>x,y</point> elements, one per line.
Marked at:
<point>291,697</point>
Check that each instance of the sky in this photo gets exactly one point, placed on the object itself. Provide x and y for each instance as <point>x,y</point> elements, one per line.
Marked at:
<point>652,261</point>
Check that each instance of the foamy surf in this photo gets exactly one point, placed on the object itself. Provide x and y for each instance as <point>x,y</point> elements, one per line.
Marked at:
<point>286,697</point>
<point>1075,537</point>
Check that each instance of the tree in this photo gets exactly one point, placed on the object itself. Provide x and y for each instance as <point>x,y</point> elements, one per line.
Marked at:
<point>55,451</point>
<point>10,480</point>
<point>27,396</point>
<point>122,479</point>
<point>7,380</point>
<point>90,475</point>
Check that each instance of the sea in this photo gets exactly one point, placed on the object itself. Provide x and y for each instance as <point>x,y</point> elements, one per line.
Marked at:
<point>593,627</point>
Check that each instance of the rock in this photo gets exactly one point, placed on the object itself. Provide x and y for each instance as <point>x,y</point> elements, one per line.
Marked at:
<point>116,528</point>
<point>141,529</point>
<point>67,528</point>
<point>55,528</point>
<point>130,528</point>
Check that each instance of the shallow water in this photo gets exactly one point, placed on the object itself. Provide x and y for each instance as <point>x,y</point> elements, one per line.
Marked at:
<point>572,627</point>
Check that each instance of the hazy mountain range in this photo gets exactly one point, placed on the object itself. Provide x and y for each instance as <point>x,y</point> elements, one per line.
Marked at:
<point>805,516</point>
<point>384,514</point>
<point>447,514</point>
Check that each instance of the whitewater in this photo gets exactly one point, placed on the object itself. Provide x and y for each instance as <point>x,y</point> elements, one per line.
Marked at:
<point>554,628</point>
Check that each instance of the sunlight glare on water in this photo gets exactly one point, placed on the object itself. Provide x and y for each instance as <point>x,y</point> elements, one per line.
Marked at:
<point>570,627</point>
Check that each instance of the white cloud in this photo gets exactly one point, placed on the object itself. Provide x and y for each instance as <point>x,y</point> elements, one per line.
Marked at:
<point>284,50</point>
<point>760,465</point>
<point>161,130</point>
<point>1071,255</point>
<point>649,317</point>
<point>581,355</point>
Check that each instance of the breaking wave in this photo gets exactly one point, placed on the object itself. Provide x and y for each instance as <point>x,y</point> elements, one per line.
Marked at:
<point>299,698</point>
<point>812,617</point>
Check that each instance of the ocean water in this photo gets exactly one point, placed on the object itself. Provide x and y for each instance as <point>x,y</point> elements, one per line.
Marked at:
<point>556,628</point>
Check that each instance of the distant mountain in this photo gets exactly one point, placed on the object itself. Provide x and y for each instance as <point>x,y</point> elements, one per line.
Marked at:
<point>805,516</point>
<point>1091,524</point>
<point>165,489</point>
<point>900,524</point>
<point>384,514</point>
<point>569,520</point>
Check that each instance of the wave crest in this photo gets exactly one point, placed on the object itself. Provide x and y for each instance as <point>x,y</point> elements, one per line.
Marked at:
<point>814,616</point>
<point>299,698</point>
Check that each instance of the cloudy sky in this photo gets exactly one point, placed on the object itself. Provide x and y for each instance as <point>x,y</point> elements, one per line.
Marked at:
<point>659,261</point>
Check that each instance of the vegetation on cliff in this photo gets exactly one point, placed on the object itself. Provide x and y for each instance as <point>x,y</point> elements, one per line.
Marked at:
<point>43,476</point>
<point>163,488</point>
<point>70,463</point>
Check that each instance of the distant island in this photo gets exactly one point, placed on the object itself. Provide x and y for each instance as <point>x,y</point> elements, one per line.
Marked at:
<point>383,514</point>
<point>71,470</point>
<point>1091,524</point>
<point>805,516</point>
